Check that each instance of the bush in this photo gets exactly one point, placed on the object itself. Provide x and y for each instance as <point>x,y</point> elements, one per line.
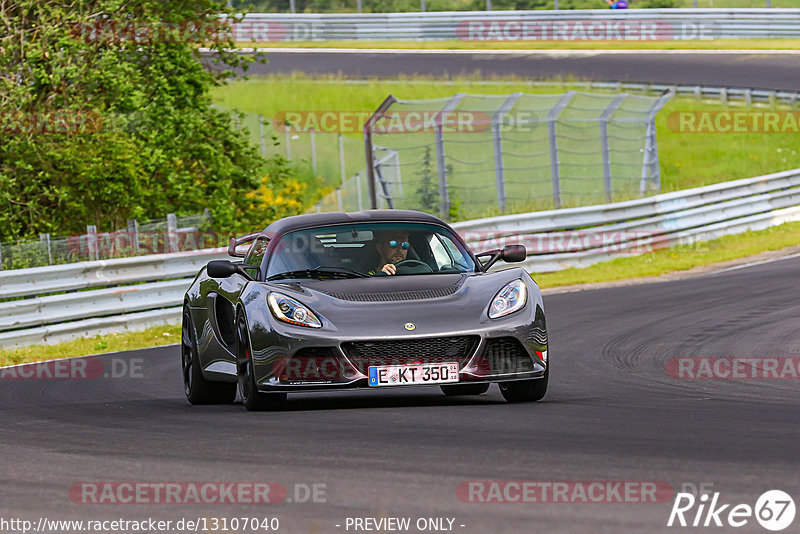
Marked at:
<point>138,138</point>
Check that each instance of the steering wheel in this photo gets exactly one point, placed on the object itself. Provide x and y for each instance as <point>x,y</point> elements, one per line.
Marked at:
<point>413,267</point>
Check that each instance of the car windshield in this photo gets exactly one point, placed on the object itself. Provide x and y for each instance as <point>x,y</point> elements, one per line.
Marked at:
<point>357,250</point>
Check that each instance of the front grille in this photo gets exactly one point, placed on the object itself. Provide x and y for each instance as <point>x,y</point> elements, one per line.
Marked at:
<point>395,296</point>
<point>505,355</point>
<point>365,354</point>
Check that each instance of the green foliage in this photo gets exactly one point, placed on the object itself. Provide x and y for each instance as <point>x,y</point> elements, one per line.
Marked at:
<point>428,193</point>
<point>98,128</point>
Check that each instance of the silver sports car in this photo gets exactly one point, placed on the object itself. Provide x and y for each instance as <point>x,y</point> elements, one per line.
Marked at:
<point>373,299</point>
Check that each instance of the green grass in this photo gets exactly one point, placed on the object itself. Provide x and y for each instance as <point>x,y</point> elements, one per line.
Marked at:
<point>152,337</point>
<point>716,44</point>
<point>679,258</point>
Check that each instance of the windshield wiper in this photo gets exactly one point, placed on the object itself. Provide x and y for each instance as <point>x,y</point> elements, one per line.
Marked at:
<point>319,272</point>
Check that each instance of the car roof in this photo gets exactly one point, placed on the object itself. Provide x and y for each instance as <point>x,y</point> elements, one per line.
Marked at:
<point>313,220</point>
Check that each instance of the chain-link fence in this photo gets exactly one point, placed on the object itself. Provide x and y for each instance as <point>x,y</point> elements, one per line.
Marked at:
<point>471,156</point>
<point>171,234</point>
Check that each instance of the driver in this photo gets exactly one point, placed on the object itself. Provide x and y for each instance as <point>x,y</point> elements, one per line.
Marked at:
<point>392,247</point>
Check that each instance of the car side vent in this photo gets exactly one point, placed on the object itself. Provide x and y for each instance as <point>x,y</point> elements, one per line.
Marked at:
<point>397,295</point>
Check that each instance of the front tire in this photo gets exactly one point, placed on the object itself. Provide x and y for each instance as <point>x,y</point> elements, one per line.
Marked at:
<point>465,389</point>
<point>525,390</point>
<point>253,400</point>
<point>198,390</point>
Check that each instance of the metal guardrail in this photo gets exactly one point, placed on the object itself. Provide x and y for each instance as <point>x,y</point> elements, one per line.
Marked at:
<point>570,238</point>
<point>570,25</point>
<point>580,237</point>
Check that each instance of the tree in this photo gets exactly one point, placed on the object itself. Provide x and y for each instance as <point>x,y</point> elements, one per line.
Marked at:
<point>105,115</point>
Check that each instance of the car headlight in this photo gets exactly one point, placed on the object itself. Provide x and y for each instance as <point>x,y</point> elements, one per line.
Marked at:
<point>290,311</point>
<point>509,299</point>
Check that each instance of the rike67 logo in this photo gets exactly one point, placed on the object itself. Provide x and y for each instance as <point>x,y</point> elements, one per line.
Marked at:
<point>774,510</point>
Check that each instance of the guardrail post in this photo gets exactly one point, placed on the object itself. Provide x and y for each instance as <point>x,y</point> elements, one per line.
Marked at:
<point>497,141</point>
<point>552,116</point>
<point>91,241</point>
<point>172,232</point>
<point>723,95</point>
<point>604,117</point>
<point>45,238</point>
<point>748,97</point>
<point>261,131</point>
<point>133,235</point>
<point>441,165</point>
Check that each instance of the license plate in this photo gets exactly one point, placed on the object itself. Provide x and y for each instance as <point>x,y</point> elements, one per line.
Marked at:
<point>417,373</point>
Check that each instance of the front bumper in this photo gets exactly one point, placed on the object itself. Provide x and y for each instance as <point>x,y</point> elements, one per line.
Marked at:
<point>299,359</point>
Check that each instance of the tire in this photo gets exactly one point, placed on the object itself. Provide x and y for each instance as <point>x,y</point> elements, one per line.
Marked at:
<point>252,399</point>
<point>198,390</point>
<point>525,390</point>
<point>465,389</point>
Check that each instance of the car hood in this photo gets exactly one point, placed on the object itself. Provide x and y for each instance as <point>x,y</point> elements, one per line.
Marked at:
<point>433,303</point>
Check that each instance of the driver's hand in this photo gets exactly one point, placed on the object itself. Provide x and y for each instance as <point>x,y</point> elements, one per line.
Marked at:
<point>389,268</point>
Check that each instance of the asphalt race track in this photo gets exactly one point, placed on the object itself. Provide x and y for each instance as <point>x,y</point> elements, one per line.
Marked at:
<point>748,70</point>
<point>612,414</point>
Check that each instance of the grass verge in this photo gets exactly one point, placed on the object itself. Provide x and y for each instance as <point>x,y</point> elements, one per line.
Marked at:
<point>716,44</point>
<point>679,258</point>
<point>152,337</point>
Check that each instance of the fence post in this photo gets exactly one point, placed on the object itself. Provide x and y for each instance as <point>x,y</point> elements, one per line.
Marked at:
<point>172,232</point>
<point>499,171</point>
<point>604,117</point>
<point>133,235</point>
<point>91,237</point>
<point>358,189</point>
<point>45,238</point>
<point>313,153</point>
<point>650,163</point>
<point>552,116</point>
<point>441,164</point>
<point>261,130</point>
<point>341,159</point>
<point>368,149</point>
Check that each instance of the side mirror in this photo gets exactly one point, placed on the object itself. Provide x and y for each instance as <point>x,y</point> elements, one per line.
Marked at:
<point>514,253</point>
<point>221,269</point>
<point>509,254</point>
